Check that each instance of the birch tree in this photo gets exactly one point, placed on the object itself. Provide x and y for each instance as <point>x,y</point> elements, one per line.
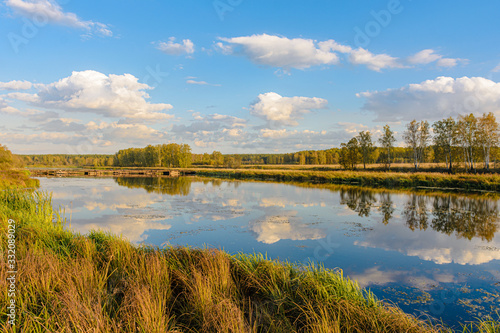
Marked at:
<point>467,137</point>
<point>387,142</point>
<point>488,136</point>
<point>365,146</point>
<point>444,131</point>
<point>417,137</point>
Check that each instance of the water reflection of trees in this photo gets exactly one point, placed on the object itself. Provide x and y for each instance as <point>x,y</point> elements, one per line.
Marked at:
<point>359,201</point>
<point>362,201</point>
<point>161,185</point>
<point>386,207</point>
<point>415,212</point>
<point>467,217</point>
<point>214,181</point>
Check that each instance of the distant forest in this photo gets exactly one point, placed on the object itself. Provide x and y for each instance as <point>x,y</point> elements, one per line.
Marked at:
<point>136,157</point>
<point>468,140</point>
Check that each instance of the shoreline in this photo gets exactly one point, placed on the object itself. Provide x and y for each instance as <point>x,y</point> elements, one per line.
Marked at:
<point>467,183</point>
<point>390,180</point>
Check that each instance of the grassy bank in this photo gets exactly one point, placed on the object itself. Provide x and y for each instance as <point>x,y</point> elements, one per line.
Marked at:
<point>12,172</point>
<point>17,178</point>
<point>396,167</point>
<point>465,182</point>
<point>67,282</point>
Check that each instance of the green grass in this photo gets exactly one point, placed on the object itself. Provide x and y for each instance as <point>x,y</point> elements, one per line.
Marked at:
<point>67,282</point>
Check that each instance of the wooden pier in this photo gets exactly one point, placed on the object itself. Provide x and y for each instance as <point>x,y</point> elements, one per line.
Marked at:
<point>105,173</point>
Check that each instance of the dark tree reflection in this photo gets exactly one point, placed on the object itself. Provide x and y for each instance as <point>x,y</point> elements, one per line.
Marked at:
<point>162,185</point>
<point>386,207</point>
<point>215,182</point>
<point>467,217</point>
<point>358,200</point>
<point>415,212</point>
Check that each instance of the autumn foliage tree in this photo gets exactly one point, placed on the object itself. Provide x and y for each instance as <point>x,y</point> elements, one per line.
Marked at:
<point>365,146</point>
<point>444,136</point>
<point>165,155</point>
<point>349,154</point>
<point>387,142</point>
<point>488,136</point>
<point>467,136</point>
<point>417,137</point>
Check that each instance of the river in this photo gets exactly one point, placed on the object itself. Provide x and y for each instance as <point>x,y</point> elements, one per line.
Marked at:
<point>432,254</point>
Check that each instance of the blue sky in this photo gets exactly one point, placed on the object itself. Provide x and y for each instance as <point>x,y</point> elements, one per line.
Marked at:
<point>238,76</point>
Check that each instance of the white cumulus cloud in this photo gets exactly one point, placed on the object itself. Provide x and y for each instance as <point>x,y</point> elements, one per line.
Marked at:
<point>131,133</point>
<point>375,62</point>
<point>6,108</point>
<point>50,11</point>
<point>66,133</point>
<point>233,132</point>
<point>428,56</point>
<point>173,48</point>
<point>424,57</point>
<point>15,85</point>
<point>449,62</point>
<point>353,128</point>
<point>275,134</point>
<point>435,99</point>
<point>44,137</point>
<point>283,111</point>
<point>301,53</point>
<point>283,52</point>
<point>91,91</point>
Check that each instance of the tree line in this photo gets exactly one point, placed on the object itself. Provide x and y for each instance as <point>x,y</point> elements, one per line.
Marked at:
<point>467,139</point>
<point>67,160</point>
<point>170,155</point>
<point>137,157</point>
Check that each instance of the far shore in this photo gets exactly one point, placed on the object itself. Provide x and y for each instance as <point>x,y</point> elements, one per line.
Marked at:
<point>398,177</point>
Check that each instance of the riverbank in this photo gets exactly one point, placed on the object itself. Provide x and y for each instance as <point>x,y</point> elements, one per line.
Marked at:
<point>69,282</point>
<point>460,182</point>
<point>17,178</point>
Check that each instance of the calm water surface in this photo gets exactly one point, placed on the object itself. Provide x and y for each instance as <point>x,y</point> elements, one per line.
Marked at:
<point>436,255</point>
